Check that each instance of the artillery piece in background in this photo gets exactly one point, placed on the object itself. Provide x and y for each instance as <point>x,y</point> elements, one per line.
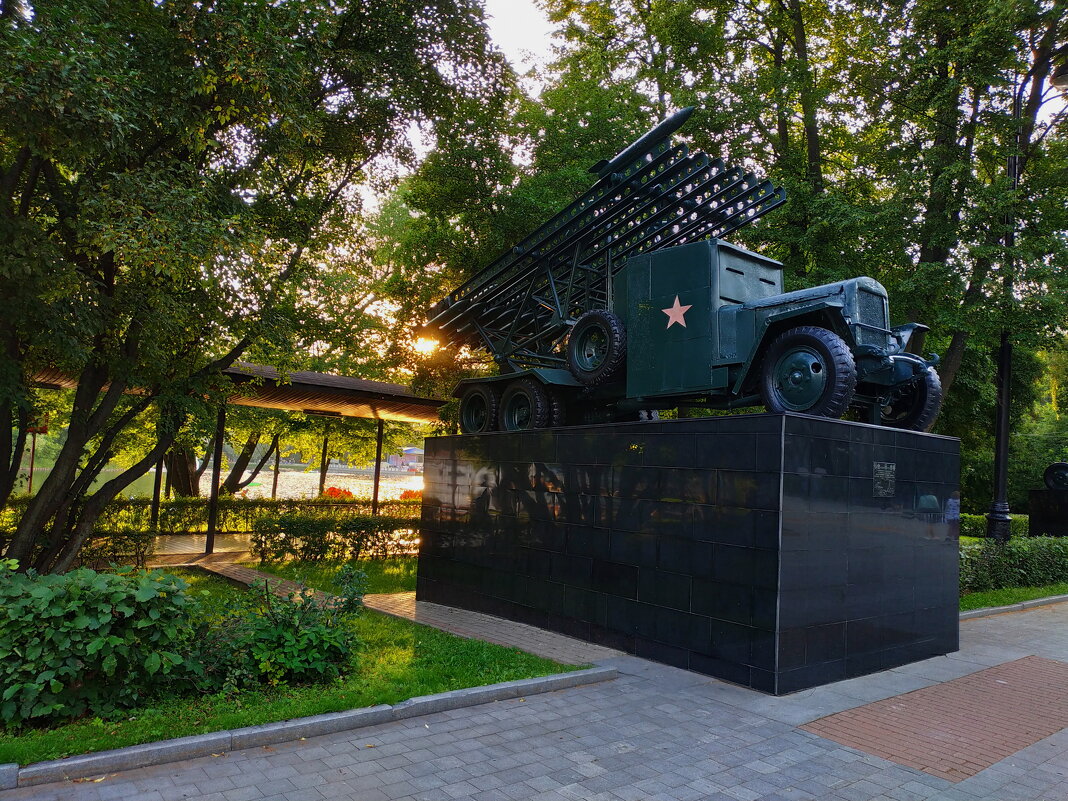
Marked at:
<point>629,301</point>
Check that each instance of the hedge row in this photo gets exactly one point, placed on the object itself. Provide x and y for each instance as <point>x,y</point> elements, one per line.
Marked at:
<point>236,515</point>
<point>1020,562</point>
<point>975,525</point>
<point>312,539</point>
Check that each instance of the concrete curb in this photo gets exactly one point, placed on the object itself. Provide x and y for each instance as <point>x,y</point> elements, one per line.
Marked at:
<point>142,756</point>
<point>999,610</point>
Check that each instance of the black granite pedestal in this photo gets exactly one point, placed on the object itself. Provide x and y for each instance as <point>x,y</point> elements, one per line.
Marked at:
<point>1048,513</point>
<point>775,551</point>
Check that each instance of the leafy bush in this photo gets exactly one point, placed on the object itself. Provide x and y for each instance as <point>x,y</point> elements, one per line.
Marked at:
<point>267,639</point>
<point>1020,562</point>
<point>975,525</point>
<point>88,642</point>
<point>314,539</point>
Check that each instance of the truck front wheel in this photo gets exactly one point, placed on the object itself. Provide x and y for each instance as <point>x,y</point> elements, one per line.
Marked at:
<point>808,370</point>
<point>479,408</point>
<point>916,406</point>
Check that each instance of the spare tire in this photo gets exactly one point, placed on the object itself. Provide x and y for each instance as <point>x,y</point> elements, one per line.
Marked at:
<point>596,348</point>
<point>1056,476</point>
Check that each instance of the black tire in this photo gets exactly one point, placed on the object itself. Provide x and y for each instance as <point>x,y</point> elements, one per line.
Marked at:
<point>596,348</point>
<point>479,409</point>
<point>1056,476</point>
<point>524,406</point>
<point>557,409</point>
<point>808,370</point>
<point>916,406</point>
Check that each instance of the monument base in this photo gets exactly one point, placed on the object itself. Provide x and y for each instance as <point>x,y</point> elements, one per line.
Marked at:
<point>1047,513</point>
<point>779,552</point>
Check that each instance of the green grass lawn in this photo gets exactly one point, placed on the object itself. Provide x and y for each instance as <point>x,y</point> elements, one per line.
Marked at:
<point>397,660</point>
<point>1012,595</point>
<point>383,575</point>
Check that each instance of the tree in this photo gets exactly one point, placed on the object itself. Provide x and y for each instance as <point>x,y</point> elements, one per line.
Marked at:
<point>171,177</point>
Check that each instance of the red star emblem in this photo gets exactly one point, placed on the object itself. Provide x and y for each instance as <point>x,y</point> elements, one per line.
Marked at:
<point>676,313</point>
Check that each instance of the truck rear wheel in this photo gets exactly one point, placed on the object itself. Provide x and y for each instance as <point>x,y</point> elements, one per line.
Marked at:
<point>916,406</point>
<point>524,405</point>
<point>808,370</point>
<point>596,347</point>
<point>479,409</point>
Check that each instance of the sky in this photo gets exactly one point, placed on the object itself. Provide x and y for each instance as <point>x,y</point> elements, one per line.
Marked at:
<point>521,30</point>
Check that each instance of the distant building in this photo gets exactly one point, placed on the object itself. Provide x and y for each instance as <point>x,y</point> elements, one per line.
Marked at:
<point>410,459</point>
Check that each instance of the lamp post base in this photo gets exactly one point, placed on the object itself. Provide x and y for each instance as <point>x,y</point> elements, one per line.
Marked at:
<point>998,522</point>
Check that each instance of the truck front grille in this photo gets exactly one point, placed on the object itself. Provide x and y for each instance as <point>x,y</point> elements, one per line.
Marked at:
<point>873,315</point>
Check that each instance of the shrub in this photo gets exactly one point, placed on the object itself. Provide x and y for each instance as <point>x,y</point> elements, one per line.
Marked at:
<point>1020,562</point>
<point>88,642</point>
<point>975,525</point>
<point>121,547</point>
<point>190,515</point>
<point>264,638</point>
<point>313,539</point>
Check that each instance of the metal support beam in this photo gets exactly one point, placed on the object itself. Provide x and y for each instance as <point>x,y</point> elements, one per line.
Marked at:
<point>378,467</point>
<point>157,484</point>
<point>216,471</point>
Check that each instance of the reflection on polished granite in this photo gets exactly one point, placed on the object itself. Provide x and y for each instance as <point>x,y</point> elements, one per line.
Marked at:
<point>776,551</point>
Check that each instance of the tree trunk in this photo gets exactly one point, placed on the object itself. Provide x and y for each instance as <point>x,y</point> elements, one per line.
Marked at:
<point>272,449</point>
<point>813,148</point>
<point>11,449</point>
<point>324,464</point>
<point>233,480</point>
<point>182,472</point>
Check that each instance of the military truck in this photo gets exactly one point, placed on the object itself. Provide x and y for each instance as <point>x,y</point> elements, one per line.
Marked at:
<point>629,301</point>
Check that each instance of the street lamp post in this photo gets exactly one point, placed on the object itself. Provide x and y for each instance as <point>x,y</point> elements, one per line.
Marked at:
<point>998,522</point>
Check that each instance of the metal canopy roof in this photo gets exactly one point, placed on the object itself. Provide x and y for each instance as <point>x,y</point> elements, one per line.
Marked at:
<point>313,393</point>
<point>322,393</point>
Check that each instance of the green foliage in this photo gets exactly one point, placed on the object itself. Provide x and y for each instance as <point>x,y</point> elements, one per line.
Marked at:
<point>180,192</point>
<point>87,642</point>
<point>315,539</point>
<point>1033,561</point>
<point>975,525</point>
<point>266,639</point>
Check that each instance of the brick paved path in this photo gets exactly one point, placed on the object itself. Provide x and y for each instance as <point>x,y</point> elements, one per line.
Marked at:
<point>957,728</point>
<point>654,733</point>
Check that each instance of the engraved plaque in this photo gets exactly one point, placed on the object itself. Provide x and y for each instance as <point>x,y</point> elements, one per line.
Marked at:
<point>884,474</point>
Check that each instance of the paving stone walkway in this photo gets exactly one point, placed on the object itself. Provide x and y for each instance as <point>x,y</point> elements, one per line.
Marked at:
<point>477,626</point>
<point>654,733</point>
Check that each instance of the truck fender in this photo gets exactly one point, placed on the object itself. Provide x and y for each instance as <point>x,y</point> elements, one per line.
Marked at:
<point>812,313</point>
<point>549,376</point>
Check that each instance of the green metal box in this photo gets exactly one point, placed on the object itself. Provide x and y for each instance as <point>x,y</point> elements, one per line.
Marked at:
<point>670,301</point>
